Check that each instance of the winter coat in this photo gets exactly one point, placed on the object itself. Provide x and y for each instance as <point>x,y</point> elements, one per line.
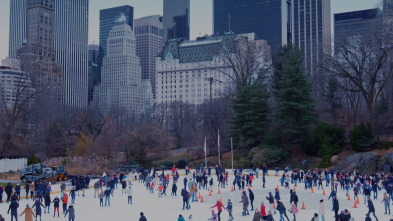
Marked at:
<point>101,196</point>
<point>181,219</point>
<point>219,206</point>
<point>263,210</point>
<point>143,218</point>
<point>29,214</point>
<point>257,217</point>
<point>13,207</point>
<point>129,192</point>
<point>370,206</point>
<point>294,209</point>
<point>229,207</point>
<point>322,209</point>
<point>65,198</point>
<point>47,200</point>
<point>269,218</point>
<point>174,188</point>
<point>281,208</point>
<point>184,194</point>
<point>32,187</point>
<point>37,206</point>
<point>56,202</point>
<point>270,198</point>
<point>107,192</point>
<point>336,205</point>
<point>71,212</point>
<point>8,189</point>
<point>347,216</point>
<point>17,189</point>
<point>251,195</point>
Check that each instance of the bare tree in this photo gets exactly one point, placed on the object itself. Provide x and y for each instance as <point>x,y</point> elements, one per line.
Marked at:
<point>363,64</point>
<point>17,97</point>
<point>245,60</point>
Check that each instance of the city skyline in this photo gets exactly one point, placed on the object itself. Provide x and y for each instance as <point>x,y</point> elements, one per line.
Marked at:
<point>200,25</point>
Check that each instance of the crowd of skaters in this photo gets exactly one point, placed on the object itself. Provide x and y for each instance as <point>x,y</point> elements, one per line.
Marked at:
<point>157,182</point>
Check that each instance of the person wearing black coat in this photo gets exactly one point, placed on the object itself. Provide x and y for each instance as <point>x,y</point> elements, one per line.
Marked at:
<point>371,208</point>
<point>367,218</point>
<point>251,196</point>
<point>282,210</point>
<point>271,202</point>
<point>184,194</point>
<point>38,211</point>
<point>336,207</point>
<point>142,218</point>
<point>347,215</point>
<point>14,209</point>
<point>8,191</point>
<point>269,216</point>
<point>174,189</point>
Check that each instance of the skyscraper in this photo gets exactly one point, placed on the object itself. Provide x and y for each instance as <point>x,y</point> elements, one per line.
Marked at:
<point>121,81</point>
<point>37,55</point>
<point>109,18</point>
<point>94,49</point>
<point>176,19</point>
<point>149,42</point>
<point>354,23</point>
<point>268,19</point>
<point>71,46</point>
<point>18,29</point>
<point>312,30</point>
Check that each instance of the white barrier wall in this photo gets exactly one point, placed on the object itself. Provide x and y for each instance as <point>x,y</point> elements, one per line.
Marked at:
<point>7,165</point>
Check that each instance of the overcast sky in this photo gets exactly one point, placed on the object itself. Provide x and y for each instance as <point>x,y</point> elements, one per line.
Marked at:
<point>201,15</point>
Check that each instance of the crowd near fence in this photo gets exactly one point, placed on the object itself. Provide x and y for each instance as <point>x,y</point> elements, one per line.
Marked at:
<point>8,165</point>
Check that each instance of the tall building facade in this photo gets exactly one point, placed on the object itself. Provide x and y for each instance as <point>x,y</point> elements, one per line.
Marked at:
<point>176,19</point>
<point>312,30</point>
<point>37,55</point>
<point>94,49</point>
<point>17,33</point>
<point>71,46</point>
<point>110,18</point>
<point>149,42</point>
<point>183,69</point>
<point>121,85</point>
<point>354,23</point>
<point>15,85</point>
<point>270,20</point>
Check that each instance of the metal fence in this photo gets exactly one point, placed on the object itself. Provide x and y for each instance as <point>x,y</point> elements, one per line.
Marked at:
<point>7,165</point>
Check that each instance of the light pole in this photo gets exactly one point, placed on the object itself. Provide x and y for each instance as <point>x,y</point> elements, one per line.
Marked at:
<point>211,80</point>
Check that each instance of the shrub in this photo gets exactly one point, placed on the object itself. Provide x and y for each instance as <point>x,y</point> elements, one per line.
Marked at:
<point>33,159</point>
<point>267,155</point>
<point>362,138</point>
<point>385,145</point>
<point>181,163</point>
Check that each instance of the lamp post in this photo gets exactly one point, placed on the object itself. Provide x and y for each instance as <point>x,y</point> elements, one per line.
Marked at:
<point>211,80</point>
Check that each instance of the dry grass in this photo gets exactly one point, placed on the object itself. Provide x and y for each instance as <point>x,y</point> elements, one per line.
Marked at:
<point>82,165</point>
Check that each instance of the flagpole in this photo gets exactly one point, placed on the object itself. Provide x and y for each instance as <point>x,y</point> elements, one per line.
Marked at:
<point>219,163</point>
<point>232,152</point>
<point>205,154</point>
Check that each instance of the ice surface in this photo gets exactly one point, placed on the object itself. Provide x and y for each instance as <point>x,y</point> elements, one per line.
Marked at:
<point>169,207</point>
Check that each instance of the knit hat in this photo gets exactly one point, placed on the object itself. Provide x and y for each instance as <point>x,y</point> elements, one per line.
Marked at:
<point>27,206</point>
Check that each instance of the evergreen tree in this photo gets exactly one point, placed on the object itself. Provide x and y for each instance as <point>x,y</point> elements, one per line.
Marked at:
<point>295,107</point>
<point>250,113</point>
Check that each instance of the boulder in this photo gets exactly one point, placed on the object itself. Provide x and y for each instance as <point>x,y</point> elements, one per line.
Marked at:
<point>387,159</point>
<point>362,162</point>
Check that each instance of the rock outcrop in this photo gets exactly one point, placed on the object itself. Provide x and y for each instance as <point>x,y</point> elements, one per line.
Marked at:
<point>386,159</point>
<point>362,162</point>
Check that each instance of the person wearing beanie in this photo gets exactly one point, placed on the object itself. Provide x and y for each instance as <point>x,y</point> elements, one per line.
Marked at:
<point>142,217</point>
<point>101,197</point>
<point>38,211</point>
<point>181,218</point>
<point>29,214</point>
